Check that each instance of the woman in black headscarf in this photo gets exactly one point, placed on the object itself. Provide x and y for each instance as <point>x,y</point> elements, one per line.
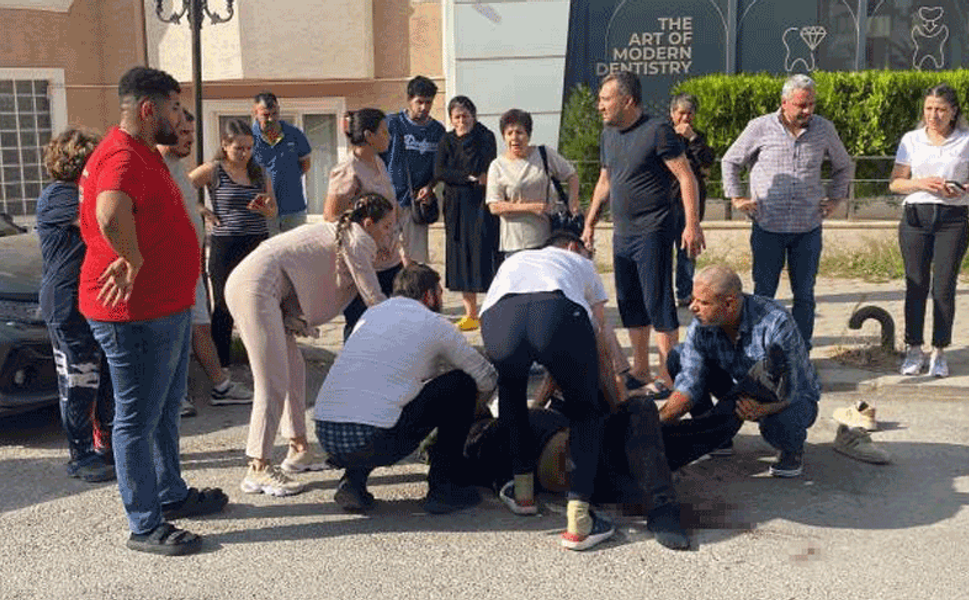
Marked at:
<point>471,231</point>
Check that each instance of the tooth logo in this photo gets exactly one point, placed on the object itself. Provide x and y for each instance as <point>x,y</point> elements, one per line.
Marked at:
<point>929,36</point>
<point>800,43</point>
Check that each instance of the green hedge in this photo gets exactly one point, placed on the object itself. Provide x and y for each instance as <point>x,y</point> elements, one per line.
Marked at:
<point>870,109</point>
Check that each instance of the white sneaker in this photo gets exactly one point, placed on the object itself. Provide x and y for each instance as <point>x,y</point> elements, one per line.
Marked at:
<point>236,393</point>
<point>914,361</point>
<point>938,367</point>
<point>305,461</point>
<point>188,409</point>
<point>270,480</point>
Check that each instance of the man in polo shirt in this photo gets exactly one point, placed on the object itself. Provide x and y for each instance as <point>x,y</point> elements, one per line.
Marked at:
<point>284,152</point>
<point>385,394</point>
<point>414,135</point>
<point>137,287</point>
<point>641,156</point>
<point>786,200</point>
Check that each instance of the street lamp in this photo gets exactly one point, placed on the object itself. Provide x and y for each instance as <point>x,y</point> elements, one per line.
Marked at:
<point>195,11</point>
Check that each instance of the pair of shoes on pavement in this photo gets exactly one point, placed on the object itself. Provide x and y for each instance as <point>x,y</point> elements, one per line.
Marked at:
<point>855,442</point>
<point>467,323</point>
<point>230,392</point>
<point>861,414</point>
<point>94,468</point>
<point>166,539</point>
<point>915,361</point>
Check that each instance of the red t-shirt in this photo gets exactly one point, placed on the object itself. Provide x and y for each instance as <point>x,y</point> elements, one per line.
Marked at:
<point>166,282</point>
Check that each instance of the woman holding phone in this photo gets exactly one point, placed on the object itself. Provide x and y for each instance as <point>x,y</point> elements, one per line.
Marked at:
<point>931,169</point>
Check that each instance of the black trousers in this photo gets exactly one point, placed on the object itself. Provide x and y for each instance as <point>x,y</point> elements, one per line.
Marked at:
<point>447,403</point>
<point>357,306</point>
<point>933,240</point>
<point>225,254</point>
<point>553,331</point>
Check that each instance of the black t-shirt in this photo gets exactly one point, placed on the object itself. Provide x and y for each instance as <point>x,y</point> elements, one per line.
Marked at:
<point>640,184</point>
<point>62,249</point>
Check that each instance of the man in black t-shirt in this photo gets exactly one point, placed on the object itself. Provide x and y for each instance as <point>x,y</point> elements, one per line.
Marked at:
<point>641,157</point>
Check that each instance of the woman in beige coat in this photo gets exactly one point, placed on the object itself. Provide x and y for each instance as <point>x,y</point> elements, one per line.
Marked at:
<point>290,284</point>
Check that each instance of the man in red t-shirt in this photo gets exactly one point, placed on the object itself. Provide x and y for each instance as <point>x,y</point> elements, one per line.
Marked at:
<point>137,287</point>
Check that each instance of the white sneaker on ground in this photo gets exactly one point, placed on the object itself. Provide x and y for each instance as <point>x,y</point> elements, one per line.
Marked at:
<point>232,392</point>
<point>856,443</point>
<point>938,367</point>
<point>914,361</point>
<point>861,414</point>
<point>305,461</point>
<point>270,480</point>
<point>188,409</point>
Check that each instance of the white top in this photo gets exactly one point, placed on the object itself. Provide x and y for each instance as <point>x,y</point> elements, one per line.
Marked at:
<point>548,270</point>
<point>949,161</point>
<point>189,193</point>
<point>524,180</point>
<point>396,347</point>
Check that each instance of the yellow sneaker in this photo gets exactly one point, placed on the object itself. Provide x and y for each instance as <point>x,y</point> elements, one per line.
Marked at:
<point>467,323</point>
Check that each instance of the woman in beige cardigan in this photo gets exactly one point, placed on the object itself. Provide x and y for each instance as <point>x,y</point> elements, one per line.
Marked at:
<point>290,284</point>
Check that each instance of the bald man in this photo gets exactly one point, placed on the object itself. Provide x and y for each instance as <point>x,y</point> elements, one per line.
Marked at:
<point>730,333</point>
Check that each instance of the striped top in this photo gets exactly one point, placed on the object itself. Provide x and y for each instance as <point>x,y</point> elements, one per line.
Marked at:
<point>229,202</point>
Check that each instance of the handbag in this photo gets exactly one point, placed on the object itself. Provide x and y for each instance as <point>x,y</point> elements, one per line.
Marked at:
<point>561,218</point>
<point>422,213</point>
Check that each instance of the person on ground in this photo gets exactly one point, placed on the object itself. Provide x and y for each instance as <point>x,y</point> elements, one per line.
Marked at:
<point>470,230</point>
<point>520,191</point>
<point>224,390</point>
<point>288,286</point>
<point>641,157</point>
<point>83,383</point>
<point>546,306</point>
<point>283,150</point>
<point>242,201</point>
<point>137,287</point>
<point>683,109</point>
<point>387,390</point>
<point>786,201</point>
<point>414,136</point>
<point>932,170</point>
<point>363,172</point>
<point>731,332</point>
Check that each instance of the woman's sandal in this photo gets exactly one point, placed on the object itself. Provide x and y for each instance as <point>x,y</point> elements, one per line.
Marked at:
<point>165,539</point>
<point>196,503</point>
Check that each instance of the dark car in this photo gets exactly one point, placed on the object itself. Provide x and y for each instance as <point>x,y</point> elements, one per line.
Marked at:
<point>28,377</point>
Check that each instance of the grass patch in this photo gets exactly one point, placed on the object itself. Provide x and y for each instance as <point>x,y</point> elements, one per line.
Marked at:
<point>879,260</point>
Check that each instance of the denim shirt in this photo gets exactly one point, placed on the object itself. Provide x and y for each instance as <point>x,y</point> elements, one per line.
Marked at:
<point>763,323</point>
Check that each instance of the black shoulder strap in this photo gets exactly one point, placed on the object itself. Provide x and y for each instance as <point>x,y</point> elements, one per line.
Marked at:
<point>541,150</point>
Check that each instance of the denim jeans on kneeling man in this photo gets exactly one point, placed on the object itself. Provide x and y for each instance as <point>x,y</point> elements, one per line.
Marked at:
<point>148,361</point>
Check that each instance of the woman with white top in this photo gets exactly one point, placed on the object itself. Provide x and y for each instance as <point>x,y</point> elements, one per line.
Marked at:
<point>932,170</point>
<point>290,284</point>
<point>519,192</point>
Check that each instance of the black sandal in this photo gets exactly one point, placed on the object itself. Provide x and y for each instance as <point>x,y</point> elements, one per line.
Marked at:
<point>165,539</point>
<point>196,503</point>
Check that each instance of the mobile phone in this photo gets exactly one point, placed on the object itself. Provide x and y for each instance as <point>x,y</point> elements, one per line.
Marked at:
<point>959,186</point>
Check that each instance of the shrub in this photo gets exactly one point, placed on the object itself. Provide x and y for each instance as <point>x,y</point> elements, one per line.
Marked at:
<point>579,138</point>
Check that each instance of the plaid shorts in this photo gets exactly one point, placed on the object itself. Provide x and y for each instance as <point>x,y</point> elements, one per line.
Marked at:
<point>344,438</point>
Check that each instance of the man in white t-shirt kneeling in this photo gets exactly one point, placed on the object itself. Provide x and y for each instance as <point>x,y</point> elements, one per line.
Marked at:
<point>385,393</point>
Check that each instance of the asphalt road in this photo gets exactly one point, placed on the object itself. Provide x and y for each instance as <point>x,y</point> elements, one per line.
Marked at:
<point>844,530</point>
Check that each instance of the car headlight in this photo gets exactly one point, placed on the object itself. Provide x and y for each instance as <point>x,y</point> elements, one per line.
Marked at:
<point>22,312</point>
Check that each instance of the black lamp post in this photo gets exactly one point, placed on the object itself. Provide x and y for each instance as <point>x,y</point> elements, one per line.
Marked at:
<point>195,11</point>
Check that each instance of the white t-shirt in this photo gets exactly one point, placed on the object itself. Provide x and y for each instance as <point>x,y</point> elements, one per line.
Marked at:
<point>189,193</point>
<point>548,270</point>
<point>949,161</point>
<point>396,348</point>
<point>523,180</point>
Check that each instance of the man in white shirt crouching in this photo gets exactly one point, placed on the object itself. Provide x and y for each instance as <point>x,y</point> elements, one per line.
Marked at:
<point>385,394</point>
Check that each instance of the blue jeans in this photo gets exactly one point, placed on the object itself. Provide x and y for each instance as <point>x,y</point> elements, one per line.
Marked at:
<point>802,251</point>
<point>685,266</point>
<point>148,361</point>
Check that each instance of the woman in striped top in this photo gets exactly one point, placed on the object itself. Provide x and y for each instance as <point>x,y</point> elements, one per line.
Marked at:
<point>242,199</point>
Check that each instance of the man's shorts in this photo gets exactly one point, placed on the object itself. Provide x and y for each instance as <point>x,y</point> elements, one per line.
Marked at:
<point>413,236</point>
<point>200,310</point>
<point>643,268</point>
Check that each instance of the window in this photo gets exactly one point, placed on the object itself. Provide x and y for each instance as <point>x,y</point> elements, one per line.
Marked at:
<point>32,107</point>
<point>317,118</point>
